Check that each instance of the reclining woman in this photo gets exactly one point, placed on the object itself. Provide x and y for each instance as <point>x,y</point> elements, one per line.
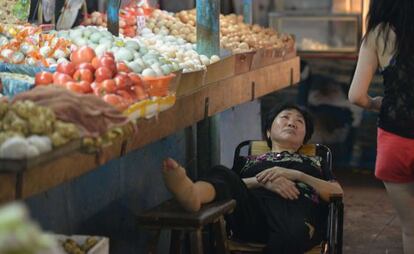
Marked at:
<point>280,195</point>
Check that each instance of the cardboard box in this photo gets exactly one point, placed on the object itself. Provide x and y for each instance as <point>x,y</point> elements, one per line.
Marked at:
<point>101,247</point>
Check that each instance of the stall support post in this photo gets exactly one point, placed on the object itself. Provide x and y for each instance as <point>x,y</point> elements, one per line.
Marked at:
<point>248,11</point>
<point>112,13</point>
<point>208,43</point>
<point>208,27</point>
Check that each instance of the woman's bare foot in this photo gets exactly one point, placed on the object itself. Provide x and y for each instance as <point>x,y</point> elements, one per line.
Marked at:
<point>180,185</point>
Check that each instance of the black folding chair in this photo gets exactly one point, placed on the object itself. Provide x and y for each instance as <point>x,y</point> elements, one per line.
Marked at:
<point>332,244</point>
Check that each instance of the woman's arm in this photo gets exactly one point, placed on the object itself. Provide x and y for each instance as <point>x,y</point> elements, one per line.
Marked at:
<point>365,70</point>
<point>252,183</point>
<point>324,188</point>
<point>282,186</point>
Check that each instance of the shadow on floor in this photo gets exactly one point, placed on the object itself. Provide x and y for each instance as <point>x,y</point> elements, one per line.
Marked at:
<point>370,225</point>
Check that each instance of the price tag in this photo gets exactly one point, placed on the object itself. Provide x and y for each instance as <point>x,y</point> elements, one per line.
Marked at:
<point>140,23</point>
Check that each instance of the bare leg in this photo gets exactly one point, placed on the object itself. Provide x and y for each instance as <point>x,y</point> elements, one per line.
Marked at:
<point>190,195</point>
<point>402,198</point>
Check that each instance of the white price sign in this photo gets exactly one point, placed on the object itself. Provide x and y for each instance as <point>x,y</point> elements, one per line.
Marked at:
<point>140,23</point>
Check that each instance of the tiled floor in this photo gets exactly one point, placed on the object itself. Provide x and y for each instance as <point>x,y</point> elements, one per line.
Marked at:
<point>370,223</point>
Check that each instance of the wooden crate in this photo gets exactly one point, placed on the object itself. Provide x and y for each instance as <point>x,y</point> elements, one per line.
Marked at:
<point>190,82</point>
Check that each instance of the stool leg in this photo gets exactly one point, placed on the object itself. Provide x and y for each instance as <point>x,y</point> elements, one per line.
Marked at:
<point>220,236</point>
<point>175,243</point>
<point>152,246</point>
<point>196,241</point>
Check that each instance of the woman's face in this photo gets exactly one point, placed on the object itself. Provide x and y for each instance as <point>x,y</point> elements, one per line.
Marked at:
<point>288,128</point>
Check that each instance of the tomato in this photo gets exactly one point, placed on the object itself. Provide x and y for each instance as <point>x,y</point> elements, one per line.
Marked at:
<point>74,87</point>
<point>108,62</point>
<point>95,63</point>
<point>109,54</point>
<point>127,96</point>
<point>135,78</point>
<point>116,101</point>
<point>102,73</point>
<point>88,66</point>
<point>140,93</point>
<point>83,75</point>
<point>122,81</point>
<point>84,54</point>
<point>61,78</point>
<point>109,86</point>
<point>86,87</point>
<point>122,67</point>
<point>97,89</point>
<point>66,67</point>
<point>43,78</point>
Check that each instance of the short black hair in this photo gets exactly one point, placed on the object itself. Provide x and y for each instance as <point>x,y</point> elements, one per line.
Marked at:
<point>279,108</point>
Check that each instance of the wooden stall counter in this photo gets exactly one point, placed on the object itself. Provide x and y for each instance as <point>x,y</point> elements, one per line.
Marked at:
<point>191,107</point>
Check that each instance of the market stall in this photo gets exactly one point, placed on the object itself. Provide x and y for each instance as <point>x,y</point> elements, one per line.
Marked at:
<point>79,99</point>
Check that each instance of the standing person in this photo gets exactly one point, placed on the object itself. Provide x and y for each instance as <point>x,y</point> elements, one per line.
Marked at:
<point>388,45</point>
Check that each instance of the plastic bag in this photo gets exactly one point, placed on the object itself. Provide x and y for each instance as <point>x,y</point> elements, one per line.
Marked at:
<point>11,87</point>
<point>24,69</point>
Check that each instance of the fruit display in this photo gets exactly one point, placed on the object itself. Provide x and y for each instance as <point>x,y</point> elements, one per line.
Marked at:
<point>86,73</point>
<point>127,22</point>
<point>240,37</point>
<point>28,130</point>
<point>28,45</point>
<point>136,56</point>
<point>165,23</point>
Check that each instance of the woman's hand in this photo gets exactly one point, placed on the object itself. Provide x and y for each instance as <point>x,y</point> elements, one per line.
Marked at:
<point>273,173</point>
<point>284,187</point>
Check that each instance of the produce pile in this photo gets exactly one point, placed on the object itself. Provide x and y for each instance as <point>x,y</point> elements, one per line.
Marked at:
<point>28,45</point>
<point>240,37</point>
<point>27,130</point>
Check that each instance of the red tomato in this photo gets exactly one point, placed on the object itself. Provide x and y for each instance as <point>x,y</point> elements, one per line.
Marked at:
<point>88,66</point>
<point>43,78</point>
<point>127,96</point>
<point>95,63</point>
<point>83,75</point>
<point>122,81</point>
<point>102,73</point>
<point>84,54</point>
<point>109,54</point>
<point>112,99</point>
<point>74,86</point>
<point>135,78</point>
<point>140,93</point>
<point>122,67</point>
<point>108,62</point>
<point>66,67</point>
<point>97,89</point>
<point>86,87</point>
<point>61,78</point>
<point>109,86</point>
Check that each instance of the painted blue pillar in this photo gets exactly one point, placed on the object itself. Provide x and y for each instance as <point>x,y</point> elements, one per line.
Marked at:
<point>208,27</point>
<point>112,13</point>
<point>248,11</point>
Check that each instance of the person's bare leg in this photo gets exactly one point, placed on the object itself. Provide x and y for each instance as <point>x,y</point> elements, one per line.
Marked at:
<point>402,198</point>
<point>190,195</point>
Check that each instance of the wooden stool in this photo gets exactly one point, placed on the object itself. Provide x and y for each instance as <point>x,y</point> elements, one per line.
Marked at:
<point>170,215</point>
